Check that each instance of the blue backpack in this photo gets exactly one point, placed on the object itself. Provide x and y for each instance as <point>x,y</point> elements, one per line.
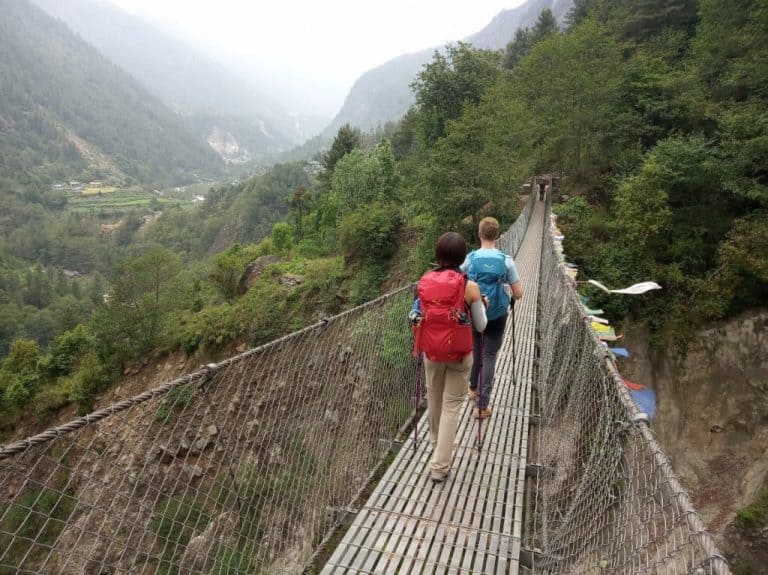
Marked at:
<point>490,273</point>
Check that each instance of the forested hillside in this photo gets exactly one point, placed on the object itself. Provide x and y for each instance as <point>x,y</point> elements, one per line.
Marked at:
<point>187,81</point>
<point>66,113</point>
<point>653,113</point>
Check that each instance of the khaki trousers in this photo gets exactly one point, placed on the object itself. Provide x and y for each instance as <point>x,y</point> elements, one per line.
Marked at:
<point>446,387</point>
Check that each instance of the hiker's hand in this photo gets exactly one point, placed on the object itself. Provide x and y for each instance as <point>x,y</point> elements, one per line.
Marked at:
<point>414,318</point>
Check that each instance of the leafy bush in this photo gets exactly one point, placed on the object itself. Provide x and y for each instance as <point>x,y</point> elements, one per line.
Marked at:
<point>366,283</point>
<point>175,401</point>
<point>228,266</point>
<point>52,397</point>
<point>87,381</point>
<point>369,234</point>
<point>282,238</point>
<point>755,515</point>
<point>20,373</point>
<point>68,349</point>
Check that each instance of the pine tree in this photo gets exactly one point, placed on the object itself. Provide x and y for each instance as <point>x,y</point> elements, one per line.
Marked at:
<point>578,12</point>
<point>646,18</point>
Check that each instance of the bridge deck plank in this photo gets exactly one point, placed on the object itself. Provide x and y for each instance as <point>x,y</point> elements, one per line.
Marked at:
<point>472,522</point>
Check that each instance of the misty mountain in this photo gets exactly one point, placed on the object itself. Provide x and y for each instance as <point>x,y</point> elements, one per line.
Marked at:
<point>66,112</point>
<point>214,99</point>
<point>384,93</point>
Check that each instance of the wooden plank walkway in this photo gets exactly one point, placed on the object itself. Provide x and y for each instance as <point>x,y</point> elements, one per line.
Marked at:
<point>472,522</point>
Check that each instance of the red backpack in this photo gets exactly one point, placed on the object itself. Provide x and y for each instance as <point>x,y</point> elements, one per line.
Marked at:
<point>445,332</point>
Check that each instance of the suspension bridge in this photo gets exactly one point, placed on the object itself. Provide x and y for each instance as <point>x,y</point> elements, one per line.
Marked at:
<point>300,456</point>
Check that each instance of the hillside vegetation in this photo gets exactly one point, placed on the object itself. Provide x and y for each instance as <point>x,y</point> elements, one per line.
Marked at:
<point>66,113</point>
<point>189,83</point>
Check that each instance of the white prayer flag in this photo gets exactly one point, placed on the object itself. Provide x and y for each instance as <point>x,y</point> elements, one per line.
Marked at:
<point>636,289</point>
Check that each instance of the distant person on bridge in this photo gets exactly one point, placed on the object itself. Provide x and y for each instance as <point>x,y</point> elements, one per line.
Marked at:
<point>448,308</point>
<point>542,190</point>
<point>496,274</point>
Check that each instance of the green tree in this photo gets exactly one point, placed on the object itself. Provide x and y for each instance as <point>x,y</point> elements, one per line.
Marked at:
<point>642,19</point>
<point>545,25</point>
<point>369,233</point>
<point>526,38</point>
<point>731,51</point>
<point>282,238</point>
<point>578,12</point>
<point>474,166</point>
<point>571,84</point>
<point>20,372</point>
<point>300,202</point>
<point>448,83</point>
<point>144,291</point>
<point>346,140</point>
<point>362,177</point>
<point>642,210</point>
<point>517,49</point>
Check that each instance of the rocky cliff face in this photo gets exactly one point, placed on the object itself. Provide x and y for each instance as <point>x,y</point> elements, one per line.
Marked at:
<point>712,420</point>
<point>227,146</point>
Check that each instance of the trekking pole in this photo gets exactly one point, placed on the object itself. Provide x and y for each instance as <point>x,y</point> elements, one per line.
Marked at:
<point>514,352</point>
<point>416,403</point>
<point>480,393</point>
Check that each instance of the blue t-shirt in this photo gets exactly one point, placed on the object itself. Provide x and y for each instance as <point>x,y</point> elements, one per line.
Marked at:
<point>512,275</point>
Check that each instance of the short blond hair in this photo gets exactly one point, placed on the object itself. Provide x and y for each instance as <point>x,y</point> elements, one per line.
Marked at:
<point>488,229</point>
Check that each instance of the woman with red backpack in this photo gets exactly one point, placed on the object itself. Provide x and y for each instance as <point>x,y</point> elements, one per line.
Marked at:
<point>449,305</point>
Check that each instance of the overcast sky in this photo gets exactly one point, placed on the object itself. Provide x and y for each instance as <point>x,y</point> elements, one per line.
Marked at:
<point>321,46</point>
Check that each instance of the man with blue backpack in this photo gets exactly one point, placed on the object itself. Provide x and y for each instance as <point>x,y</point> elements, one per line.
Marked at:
<point>496,274</point>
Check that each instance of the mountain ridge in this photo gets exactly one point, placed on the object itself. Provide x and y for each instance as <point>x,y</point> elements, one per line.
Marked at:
<point>188,81</point>
<point>69,113</point>
<point>367,105</point>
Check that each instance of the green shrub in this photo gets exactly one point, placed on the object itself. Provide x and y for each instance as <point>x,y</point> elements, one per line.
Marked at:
<point>52,397</point>
<point>68,349</point>
<point>423,227</point>
<point>755,515</point>
<point>175,401</point>
<point>23,358</point>
<point>369,234</point>
<point>87,381</point>
<point>366,283</point>
<point>18,393</point>
<point>282,238</point>
<point>228,266</point>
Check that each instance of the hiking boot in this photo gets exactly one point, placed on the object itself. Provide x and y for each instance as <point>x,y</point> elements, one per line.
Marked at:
<point>437,477</point>
<point>483,413</point>
<point>472,394</point>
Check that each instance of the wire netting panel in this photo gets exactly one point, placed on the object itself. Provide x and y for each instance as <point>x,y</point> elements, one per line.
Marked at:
<point>510,241</point>
<point>234,469</point>
<point>609,502</point>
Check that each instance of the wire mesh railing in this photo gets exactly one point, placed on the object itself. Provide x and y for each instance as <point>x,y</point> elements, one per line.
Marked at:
<point>510,241</point>
<point>231,469</point>
<point>244,466</point>
<point>609,502</point>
